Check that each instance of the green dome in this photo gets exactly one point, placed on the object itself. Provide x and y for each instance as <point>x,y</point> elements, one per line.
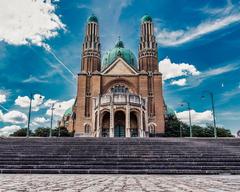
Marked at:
<point>119,51</point>
<point>146,18</point>
<point>93,18</point>
<point>68,112</point>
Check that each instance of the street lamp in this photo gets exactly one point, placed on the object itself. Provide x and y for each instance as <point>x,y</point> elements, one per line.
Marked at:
<point>29,112</point>
<point>189,115</point>
<point>213,110</point>
<point>52,109</point>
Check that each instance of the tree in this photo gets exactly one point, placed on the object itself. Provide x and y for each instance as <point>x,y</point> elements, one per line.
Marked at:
<point>42,132</point>
<point>21,133</point>
<point>173,129</point>
<point>63,132</point>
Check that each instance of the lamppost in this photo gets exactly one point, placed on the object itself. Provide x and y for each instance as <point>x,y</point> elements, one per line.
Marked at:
<point>29,112</point>
<point>213,110</point>
<point>189,115</point>
<point>52,109</point>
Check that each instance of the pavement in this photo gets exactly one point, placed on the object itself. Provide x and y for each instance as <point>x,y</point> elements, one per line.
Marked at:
<point>120,183</point>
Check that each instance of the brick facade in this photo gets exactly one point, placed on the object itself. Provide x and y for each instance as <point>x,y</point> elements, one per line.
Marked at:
<point>103,92</point>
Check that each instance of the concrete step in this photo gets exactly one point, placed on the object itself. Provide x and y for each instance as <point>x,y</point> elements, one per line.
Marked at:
<point>120,155</point>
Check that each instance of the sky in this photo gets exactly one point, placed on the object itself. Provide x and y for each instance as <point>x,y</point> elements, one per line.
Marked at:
<point>40,54</point>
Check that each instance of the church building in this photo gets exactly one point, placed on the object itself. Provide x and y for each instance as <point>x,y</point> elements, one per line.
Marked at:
<point>117,94</point>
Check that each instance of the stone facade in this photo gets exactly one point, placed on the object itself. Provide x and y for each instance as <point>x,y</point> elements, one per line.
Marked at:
<point>118,97</point>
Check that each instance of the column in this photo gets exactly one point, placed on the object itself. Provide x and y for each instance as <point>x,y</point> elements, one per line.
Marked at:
<point>98,117</point>
<point>128,118</point>
<point>141,118</point>
<point>146,116</point>
<point>111,118</point>
<point>93,117</point>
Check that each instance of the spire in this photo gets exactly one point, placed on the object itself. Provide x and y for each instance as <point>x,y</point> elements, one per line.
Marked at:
<point>91,56</point>
<point>148,55</point>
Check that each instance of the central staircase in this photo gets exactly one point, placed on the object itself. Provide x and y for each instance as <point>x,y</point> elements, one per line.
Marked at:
<point>120,155</point>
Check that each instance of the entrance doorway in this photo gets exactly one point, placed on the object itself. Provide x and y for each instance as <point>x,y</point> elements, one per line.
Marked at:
<point>105,124</point>
<point>119,124</point>
<point>133,124</point>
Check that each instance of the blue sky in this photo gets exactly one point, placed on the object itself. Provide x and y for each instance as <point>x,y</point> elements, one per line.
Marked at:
<point>198,50</point>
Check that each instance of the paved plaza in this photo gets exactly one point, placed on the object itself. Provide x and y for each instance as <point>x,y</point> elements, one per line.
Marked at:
<point>121,183</point>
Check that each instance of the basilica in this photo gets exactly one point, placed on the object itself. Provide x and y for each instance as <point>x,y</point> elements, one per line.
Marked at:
<point>117,94</point>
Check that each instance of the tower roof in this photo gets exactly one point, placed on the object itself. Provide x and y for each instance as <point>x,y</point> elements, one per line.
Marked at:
<point>119,51</point>
<point>92,18</point>
<point>146,18</point>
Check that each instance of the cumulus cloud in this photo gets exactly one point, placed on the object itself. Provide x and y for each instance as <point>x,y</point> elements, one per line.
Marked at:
<point>224,18</point>
<point>7,130</point>
<point>180,82</point>
<point>40,120</point>
<point>15,117</point>
<point>172,70</point>
<point>60,107</point>
<point>28,22</point>
<point>198,118</point>
<point>24,102</point>
<point>3,98</point>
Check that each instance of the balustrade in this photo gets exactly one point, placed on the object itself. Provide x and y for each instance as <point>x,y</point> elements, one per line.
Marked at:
<point>120,99</point>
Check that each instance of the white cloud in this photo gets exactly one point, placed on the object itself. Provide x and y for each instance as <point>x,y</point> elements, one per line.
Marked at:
<point>1,115</point>
<point>180,82</point>
<point>15,117</point>
<point>49,102</point>
<point>195,81</point>
<point>109,13</point>
<point>60,107</point>
<point>3,98</point>
<point>28,22</point>
<point>227,16</point>
<point>172,70</point>
<point>198,118</point>
<point>40,120</point>
<point>7,130</point>
<point>24,102</point>
<point>32,79</point>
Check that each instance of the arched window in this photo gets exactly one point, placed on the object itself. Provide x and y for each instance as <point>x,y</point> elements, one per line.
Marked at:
<point>151,128</point>
<point>87,129</point>
<point>119,89</point>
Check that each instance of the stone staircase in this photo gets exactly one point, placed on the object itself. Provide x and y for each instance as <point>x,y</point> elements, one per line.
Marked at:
<point>120,155</point>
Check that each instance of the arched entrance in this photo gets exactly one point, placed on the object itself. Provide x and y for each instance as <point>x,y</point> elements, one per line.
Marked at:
<point>119,124</point>
<point>105,124</point>
<point>133,124</point>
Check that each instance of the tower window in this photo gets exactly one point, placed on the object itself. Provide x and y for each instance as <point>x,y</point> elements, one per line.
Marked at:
<point>118,89</point>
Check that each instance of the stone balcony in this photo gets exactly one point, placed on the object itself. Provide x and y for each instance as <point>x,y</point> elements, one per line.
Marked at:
<point>121,99</point>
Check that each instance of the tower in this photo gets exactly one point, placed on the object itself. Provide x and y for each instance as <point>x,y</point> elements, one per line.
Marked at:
<point>91,55</point>
<point>148,65</point>
<point>148,54</point>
